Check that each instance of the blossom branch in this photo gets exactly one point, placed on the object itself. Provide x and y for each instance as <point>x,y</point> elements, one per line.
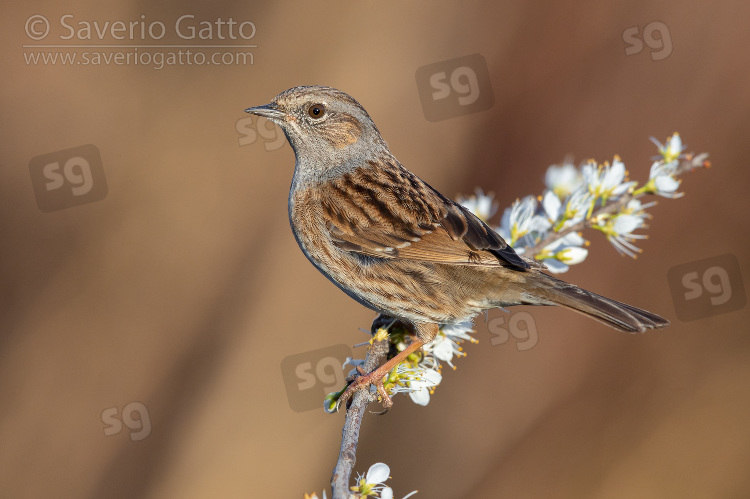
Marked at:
<point>376,355</point>
<point>689,163</point>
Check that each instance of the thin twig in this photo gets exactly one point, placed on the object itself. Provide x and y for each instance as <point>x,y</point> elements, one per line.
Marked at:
<point>687,164</point>
<point>341,478</point>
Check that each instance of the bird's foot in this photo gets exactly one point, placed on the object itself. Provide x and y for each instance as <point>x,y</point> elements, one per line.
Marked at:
<point>363,381</point>
<point>375,378</point>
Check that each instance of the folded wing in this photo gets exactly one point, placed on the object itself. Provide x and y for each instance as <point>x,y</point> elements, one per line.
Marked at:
<point>396,215</point>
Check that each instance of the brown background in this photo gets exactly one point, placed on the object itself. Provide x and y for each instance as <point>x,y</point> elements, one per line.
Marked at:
<point>184,288</point>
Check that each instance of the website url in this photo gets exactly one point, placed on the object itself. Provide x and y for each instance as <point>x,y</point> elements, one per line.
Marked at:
<point>155,60</point>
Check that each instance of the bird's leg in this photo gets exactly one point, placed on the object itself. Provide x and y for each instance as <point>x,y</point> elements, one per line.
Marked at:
<point>376,377</point>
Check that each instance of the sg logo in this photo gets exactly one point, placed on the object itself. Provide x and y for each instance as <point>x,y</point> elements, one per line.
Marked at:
<point>661,46</point>
<point>250,129</point>
<point>707,287</point>
<point>455,87</point>
<point>140,425</point>
<point>519,325</point>
<point>68,178</point>
<point>310,376</point>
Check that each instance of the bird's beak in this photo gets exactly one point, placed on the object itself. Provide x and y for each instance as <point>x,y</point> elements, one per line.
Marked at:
<point>270,111</point>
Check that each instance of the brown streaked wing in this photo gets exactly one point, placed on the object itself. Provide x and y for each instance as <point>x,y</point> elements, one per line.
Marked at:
<point>393,214</point>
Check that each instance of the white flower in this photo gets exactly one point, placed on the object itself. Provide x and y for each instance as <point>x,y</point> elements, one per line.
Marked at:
<point>622,238</point>
<point>572,255</point>
<point>606,181</point>
<point>563,179</point>
<point>672,149</point>
<point>443,348</point>
<point>421,388</point>
<point>378,473</point>
<point>482,205</point>
<point>374,482</point>
<point>566,251</point>
<point>662,181</point>
<point>577,206</point>
<point>418,381</point>
<point>459,331</point>
<point>552,206</point>
<point>447,342</point>
<point>619,228</point>
<point>521,221</point>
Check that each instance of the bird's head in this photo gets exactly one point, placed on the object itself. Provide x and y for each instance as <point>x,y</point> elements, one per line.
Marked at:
<point>326,127</point>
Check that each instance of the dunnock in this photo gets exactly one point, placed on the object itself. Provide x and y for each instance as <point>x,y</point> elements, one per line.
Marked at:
<point>395,244</point>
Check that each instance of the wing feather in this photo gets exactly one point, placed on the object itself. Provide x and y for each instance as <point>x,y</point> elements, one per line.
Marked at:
<point>396,215</point>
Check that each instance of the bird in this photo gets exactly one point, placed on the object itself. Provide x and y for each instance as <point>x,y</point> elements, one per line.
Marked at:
<point>395,244</point>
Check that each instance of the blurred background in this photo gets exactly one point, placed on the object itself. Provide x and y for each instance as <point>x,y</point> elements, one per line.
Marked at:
<point>159,324</point>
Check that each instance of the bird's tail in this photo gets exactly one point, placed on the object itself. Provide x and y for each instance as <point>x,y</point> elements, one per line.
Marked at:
<point>610,312</point>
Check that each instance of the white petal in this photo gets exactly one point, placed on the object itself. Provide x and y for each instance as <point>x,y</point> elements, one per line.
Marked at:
<point>555,266</point>
<point>675,145</point>
<point>570,239</point>
<point>483,206</point>
<point>574,256</point>
<point>555,246</point>
<point>468,203</point>
<point>504,228</point>
<point>564,178</point>
<point>655,168</point>
<point>625,224</point>
<point>552,176</point>
<point>431,377</point>
<point>579,202</point>
<point>622,188</point>
<point>540,224</point>
<point>666,184</point>
<point>443,350</point>
<point>378,473</point>
<point>426,379</point>
<point>486,206</point>
<point>590,174</point>
<point>386,493</point>
<point>558,176</point>
<point>573,239</point>
<point>522,212</point>
<point>528,203</point>
<point>460,329</point>
<point>551,204</point>
<point>614,175</point>
<point>421,396</point>
<point>634,205</point>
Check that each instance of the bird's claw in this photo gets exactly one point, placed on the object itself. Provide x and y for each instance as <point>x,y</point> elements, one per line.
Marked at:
<point>363,381</point>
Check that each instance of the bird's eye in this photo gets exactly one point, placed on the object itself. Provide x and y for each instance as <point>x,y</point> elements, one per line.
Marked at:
<point>316,111</point>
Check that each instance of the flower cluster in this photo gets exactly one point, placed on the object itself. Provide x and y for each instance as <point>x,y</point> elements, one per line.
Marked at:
<point>599,196</point>
<point>370,485</point>
<point>420,373</point>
